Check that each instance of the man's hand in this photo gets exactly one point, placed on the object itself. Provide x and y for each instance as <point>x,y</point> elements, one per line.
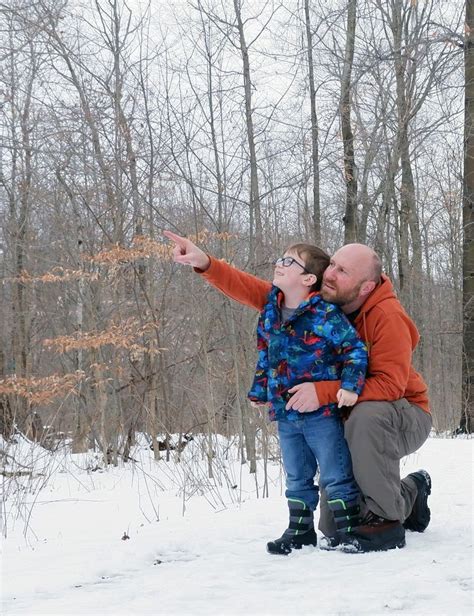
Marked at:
<point>187,253</point>
<point>304,398</point>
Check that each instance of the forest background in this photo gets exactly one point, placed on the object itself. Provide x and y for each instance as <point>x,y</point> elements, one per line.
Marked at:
<point>245,125</point>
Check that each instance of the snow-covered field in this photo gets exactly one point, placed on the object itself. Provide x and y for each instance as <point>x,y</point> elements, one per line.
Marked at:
<point>197,547</point>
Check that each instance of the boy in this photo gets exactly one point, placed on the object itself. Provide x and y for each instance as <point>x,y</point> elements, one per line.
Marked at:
<point>301,339</point>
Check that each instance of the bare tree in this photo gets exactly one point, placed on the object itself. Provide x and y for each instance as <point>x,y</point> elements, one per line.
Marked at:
<point>345,107</point>
<point>314,127</point>
<point>467,416</point>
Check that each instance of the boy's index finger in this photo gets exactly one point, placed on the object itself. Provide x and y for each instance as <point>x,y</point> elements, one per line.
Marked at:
<point>177,239</point>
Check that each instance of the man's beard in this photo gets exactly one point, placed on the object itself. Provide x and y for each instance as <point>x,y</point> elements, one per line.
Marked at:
<point>341,298</point>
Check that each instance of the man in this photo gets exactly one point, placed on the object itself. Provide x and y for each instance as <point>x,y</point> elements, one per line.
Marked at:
<point>391,418</point>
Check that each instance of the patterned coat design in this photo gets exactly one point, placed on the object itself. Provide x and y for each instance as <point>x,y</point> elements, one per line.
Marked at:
<point>316,343</point>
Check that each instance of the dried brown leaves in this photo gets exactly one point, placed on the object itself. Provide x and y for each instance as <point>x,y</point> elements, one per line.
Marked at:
<point>57,274</point>
<point>41,390</point>
<point>142,248</point>
<point>123,335</point>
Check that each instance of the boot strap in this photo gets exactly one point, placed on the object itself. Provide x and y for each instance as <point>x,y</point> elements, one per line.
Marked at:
<point>301,513</point>
<point>343,524</point>
<point>350,512</point>
<point>298,526</point>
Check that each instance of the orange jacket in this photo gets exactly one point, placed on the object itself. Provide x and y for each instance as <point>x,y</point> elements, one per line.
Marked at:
<point>383,324</point>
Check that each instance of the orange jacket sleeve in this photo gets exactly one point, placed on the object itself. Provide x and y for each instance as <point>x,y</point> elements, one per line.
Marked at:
<point>240,286</point>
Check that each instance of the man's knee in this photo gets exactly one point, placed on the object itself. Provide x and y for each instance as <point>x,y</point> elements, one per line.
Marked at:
<point>397,427</point>
<point>368,418</point>
<point>413,426</point>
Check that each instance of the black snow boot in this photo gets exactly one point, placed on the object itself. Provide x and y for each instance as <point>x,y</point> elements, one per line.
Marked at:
<point>300,530</point>
<point>420,515</point>
<point>346,517</point>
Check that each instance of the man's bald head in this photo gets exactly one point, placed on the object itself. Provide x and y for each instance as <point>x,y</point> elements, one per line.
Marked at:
<point>365,260</point>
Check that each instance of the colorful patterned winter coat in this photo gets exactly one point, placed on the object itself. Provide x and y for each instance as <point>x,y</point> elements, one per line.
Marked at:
<point>316,343</point>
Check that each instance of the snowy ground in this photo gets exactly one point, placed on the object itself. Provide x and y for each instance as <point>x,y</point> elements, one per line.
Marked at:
<point>212,559</point>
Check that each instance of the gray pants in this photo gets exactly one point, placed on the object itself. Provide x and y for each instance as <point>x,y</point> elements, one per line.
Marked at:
<point>379,434</point>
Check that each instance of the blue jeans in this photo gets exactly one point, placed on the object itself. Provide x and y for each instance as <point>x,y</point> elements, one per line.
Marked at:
<point>315,440</point>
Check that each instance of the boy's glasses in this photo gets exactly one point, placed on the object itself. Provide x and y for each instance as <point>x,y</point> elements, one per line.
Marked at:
<point>287,261</point>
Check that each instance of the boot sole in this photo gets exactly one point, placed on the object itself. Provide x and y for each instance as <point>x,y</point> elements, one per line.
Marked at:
<point>362,547</point>
<point>284,549</point>
<point>276,551</point>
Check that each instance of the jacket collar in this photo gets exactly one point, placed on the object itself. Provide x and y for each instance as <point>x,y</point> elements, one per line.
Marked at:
<point>276,298</point>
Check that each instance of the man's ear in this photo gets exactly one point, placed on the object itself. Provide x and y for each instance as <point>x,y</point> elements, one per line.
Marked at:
<point>310,279</point>
<point>367,287</point>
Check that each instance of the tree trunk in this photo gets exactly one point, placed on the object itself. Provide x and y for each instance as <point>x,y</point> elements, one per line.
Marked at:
<point>467,414</point>
<point>79,443</point>
<point>350,169</point>
<point>314,130</point>
<point>20,205</point>
<point>410,272</point>
<point>256,231</point>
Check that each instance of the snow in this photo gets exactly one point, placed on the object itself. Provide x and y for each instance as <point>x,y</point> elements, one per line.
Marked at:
<point>197,546</point>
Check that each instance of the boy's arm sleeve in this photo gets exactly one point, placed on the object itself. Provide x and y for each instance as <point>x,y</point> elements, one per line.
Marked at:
<point>258,391</point>
<point>240,286</point>
<point>351,352</point>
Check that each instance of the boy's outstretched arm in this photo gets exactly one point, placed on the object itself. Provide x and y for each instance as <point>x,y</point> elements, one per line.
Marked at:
<point>240,286</point>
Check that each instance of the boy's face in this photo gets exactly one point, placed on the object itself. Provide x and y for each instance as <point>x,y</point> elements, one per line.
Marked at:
<point>292,278</point>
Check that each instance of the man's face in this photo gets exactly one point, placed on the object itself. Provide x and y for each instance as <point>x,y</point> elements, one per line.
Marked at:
<point>341,280</point>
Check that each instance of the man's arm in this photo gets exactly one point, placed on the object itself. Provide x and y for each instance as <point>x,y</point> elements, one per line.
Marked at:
<point>240,286</point>
<point>389,363</point>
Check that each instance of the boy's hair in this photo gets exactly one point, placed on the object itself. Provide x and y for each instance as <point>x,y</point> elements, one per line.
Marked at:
<point>315,261</point>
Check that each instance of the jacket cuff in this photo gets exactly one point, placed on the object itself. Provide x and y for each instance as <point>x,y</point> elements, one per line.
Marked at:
<point>208,269</point>
<point>326,391</point>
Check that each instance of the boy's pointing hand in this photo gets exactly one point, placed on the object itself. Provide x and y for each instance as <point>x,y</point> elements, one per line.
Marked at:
<point>186,252</point>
